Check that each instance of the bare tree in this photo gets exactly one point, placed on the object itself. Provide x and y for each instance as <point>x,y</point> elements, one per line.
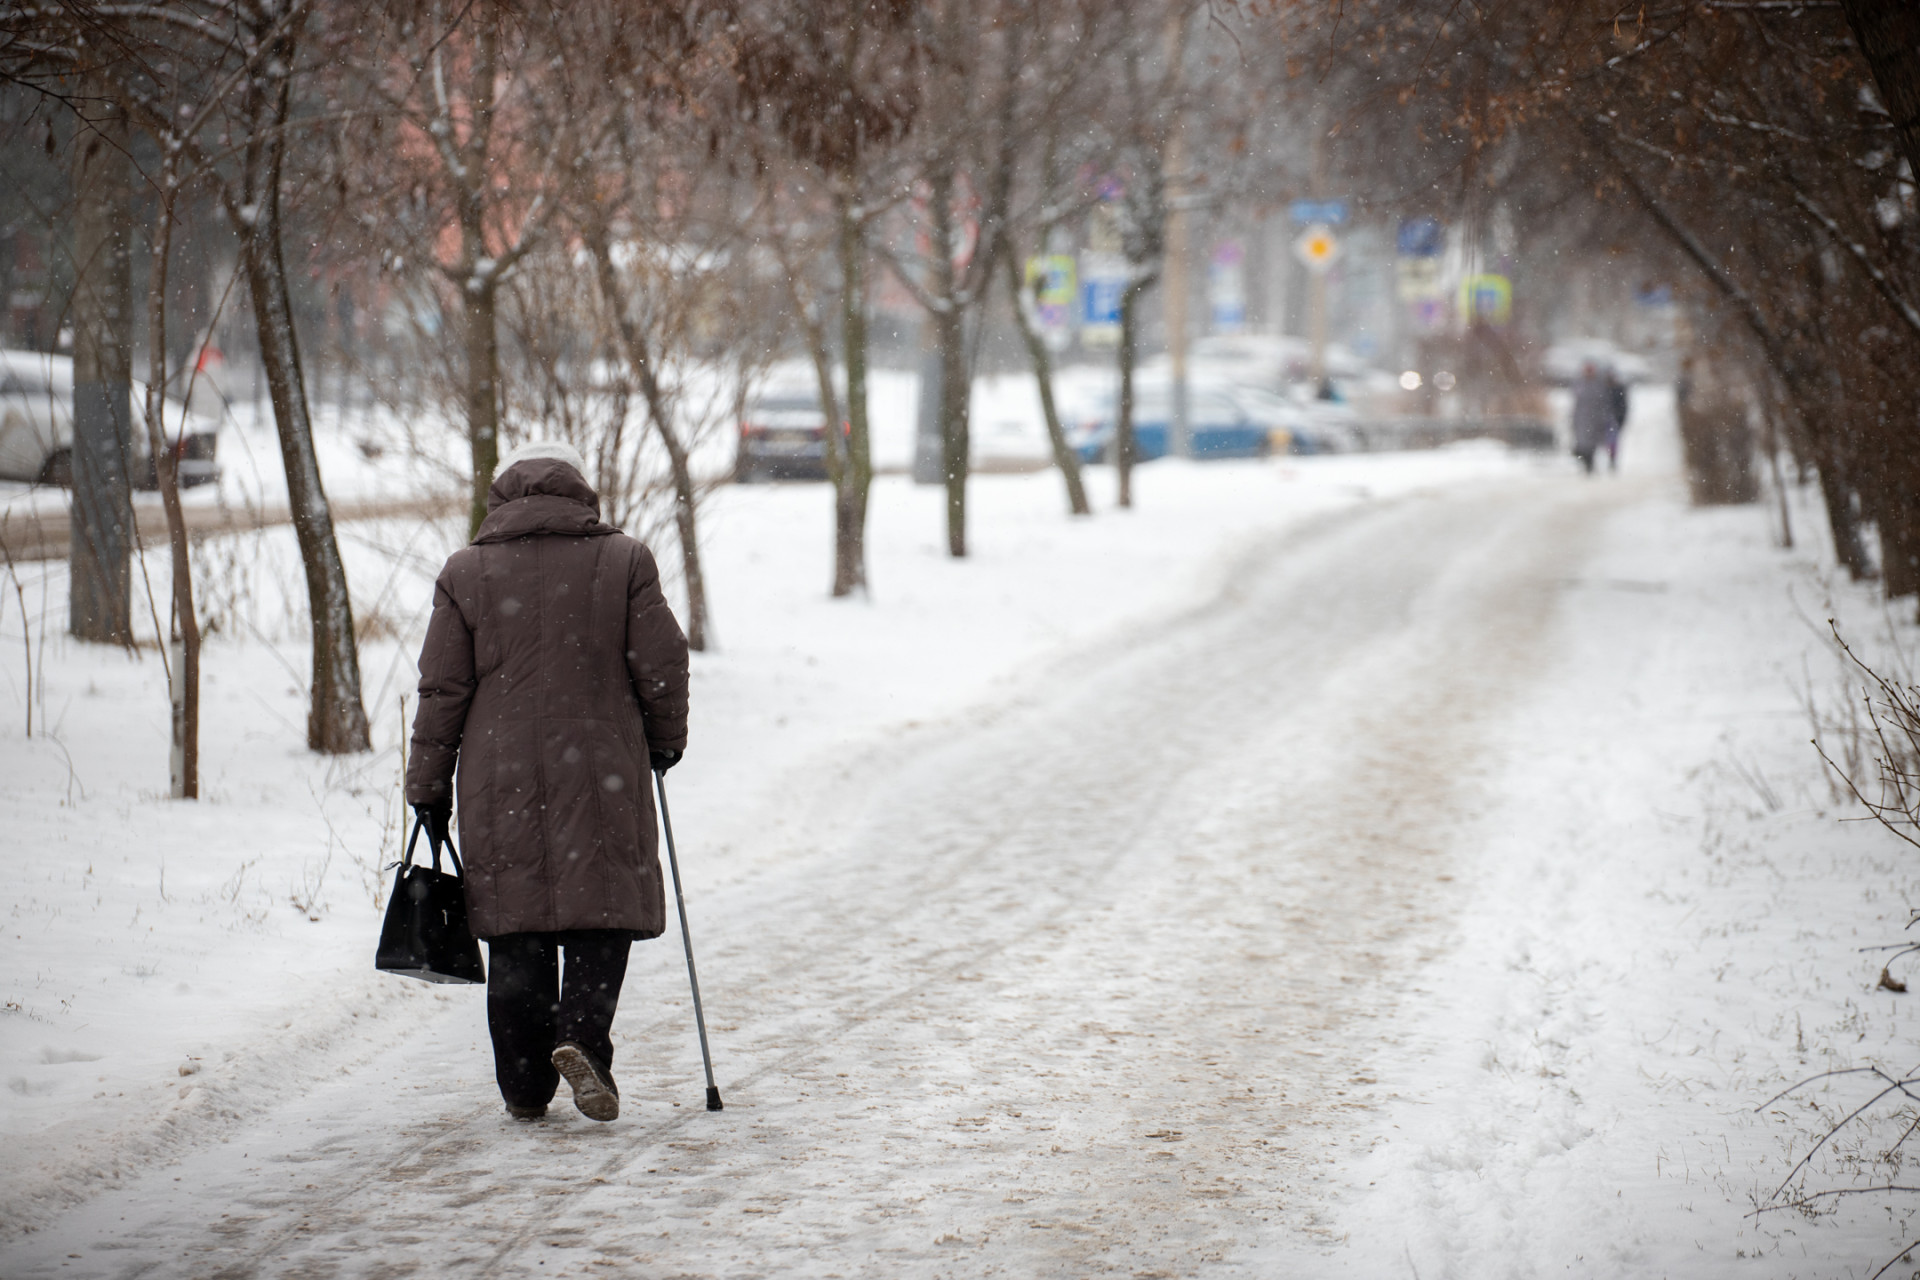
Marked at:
<point>99,584</point>
<point>1151,66</point>
<point>183,666</point>
<point>1752,148</point>
<point>1061,83</point>
<point>646,175</point>
<point>249,53</point>
<point>456,157</point>
<point>830,87</point>
<point>965,171</point>
<point>1888,33</point>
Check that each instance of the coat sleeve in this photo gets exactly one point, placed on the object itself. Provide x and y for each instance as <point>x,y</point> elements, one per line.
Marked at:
<point>656,657</point>
<point>446,690</point>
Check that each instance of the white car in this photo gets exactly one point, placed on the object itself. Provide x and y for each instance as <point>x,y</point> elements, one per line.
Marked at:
<point>36,426</point>
<point>1564,360</point>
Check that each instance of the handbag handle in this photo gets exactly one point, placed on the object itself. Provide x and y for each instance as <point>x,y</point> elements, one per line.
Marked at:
<point>433,843</point>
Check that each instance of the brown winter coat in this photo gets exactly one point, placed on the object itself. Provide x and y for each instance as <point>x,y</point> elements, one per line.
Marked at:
<point>552,664</point>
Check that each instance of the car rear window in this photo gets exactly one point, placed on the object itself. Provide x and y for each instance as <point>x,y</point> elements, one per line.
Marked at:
<point>14,384</point>
<point>787,404</point>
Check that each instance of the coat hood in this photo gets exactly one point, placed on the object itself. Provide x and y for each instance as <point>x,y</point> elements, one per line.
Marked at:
<point>541,495</point>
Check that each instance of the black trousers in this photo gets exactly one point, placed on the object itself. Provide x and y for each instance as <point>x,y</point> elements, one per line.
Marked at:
<point>530,1010</point>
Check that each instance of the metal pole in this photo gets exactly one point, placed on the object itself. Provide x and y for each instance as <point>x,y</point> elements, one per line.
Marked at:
<point>1181,443</point>
<point>686,938</point>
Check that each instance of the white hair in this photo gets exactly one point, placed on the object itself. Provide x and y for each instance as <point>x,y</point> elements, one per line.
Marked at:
<point>558,450</point>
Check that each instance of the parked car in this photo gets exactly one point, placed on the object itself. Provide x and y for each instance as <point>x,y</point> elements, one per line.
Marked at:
<point>36,426</point>
<point>783,436</point>
<point>1300,424</point>
<point>1224,420</point>
<point>1564,360</point>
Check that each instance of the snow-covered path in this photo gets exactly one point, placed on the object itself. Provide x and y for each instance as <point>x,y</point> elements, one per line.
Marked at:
<point>1088,982</point>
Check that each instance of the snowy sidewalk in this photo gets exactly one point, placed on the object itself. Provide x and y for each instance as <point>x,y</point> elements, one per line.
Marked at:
<point>173,970</point>
<point>1274,881</point>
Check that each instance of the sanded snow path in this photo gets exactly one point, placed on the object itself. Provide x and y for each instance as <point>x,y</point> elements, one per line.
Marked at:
<point>1081,984</point>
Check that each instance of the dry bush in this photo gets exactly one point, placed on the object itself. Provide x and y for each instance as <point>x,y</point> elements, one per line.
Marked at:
<point>1882,769</point>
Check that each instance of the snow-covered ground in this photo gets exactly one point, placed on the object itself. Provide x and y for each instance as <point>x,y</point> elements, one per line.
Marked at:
<point>1400,865</point>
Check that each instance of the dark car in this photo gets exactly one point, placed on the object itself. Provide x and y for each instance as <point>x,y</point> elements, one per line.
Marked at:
<point>783,436</point>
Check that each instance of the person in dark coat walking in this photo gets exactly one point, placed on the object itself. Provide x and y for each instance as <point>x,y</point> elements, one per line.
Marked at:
<point>553,678</point>
<point>1592,415</point>
<point>1617,405</point>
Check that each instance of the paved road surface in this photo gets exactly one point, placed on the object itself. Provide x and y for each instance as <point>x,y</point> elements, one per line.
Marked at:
<point>1088,984</point>
<point>45,535</point>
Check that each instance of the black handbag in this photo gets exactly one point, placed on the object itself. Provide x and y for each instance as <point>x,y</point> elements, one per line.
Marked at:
<point>425,934</point>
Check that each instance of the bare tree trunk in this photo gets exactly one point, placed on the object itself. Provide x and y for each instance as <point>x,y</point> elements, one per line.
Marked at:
<point>640,359</point>
<point>950,336</point>
<point>684,513</point>
<point>1899,533</point>
<point>481,276</point>
<point>483,401</point>
<point>1063,455</point>
<point>183,674</point>
<point>1124,448</point>
<point>1888,32</point>
<point>850,502</point>
<point>1848,548</point>
<point>839,465</point>
<point>1779,482</point>
<point>99,582</point>
<point>336,720</point>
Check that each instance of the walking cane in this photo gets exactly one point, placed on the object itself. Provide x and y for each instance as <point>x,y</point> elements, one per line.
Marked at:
<point>699,1018</point>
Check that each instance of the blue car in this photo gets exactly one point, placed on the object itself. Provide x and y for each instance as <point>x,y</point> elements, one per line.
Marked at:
<point>1219,427</point>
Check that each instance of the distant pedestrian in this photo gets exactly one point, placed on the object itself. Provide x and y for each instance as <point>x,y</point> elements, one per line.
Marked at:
<point>554,676</point>
<point>1592,415</point>
<point>1617,409</point>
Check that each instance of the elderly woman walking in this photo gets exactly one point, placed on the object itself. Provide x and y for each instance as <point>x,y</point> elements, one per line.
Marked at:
<point>1592,415</point>
<point>554,676</point>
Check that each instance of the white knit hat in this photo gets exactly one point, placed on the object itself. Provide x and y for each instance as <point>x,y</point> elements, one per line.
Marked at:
<point>558,450</point>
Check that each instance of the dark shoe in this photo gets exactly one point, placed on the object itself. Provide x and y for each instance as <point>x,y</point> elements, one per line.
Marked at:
<point>527,1113</point>
<point>593,1089</point>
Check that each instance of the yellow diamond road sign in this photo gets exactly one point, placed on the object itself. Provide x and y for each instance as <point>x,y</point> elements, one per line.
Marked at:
<point>1316,247</point>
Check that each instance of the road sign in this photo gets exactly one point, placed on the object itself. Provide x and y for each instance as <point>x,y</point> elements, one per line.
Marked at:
<point>1052,279</point>
<point>1487,299</point>
<point>1419,279</point>
<point>1421,238</point>
<point>1227,287</point>
<point>1316,248</point>
<point>1103,278</point>
<point>1307,213</point>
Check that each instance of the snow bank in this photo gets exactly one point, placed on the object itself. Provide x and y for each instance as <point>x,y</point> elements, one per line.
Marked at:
<point>1663,927</point>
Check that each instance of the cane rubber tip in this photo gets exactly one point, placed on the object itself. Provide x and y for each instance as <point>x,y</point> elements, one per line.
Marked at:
<point>713,1100</point>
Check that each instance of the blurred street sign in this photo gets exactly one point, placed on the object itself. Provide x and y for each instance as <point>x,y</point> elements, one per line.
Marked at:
<point>1053,281</point>
<point>1316,248</point>
<point>1419,279</point>
<point>1421,238</point>
<point>1103,278</point>
<point>1054,284</point>
<point>1487,299</point>
<point>1227,287</point>
<point>1307,213</point>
